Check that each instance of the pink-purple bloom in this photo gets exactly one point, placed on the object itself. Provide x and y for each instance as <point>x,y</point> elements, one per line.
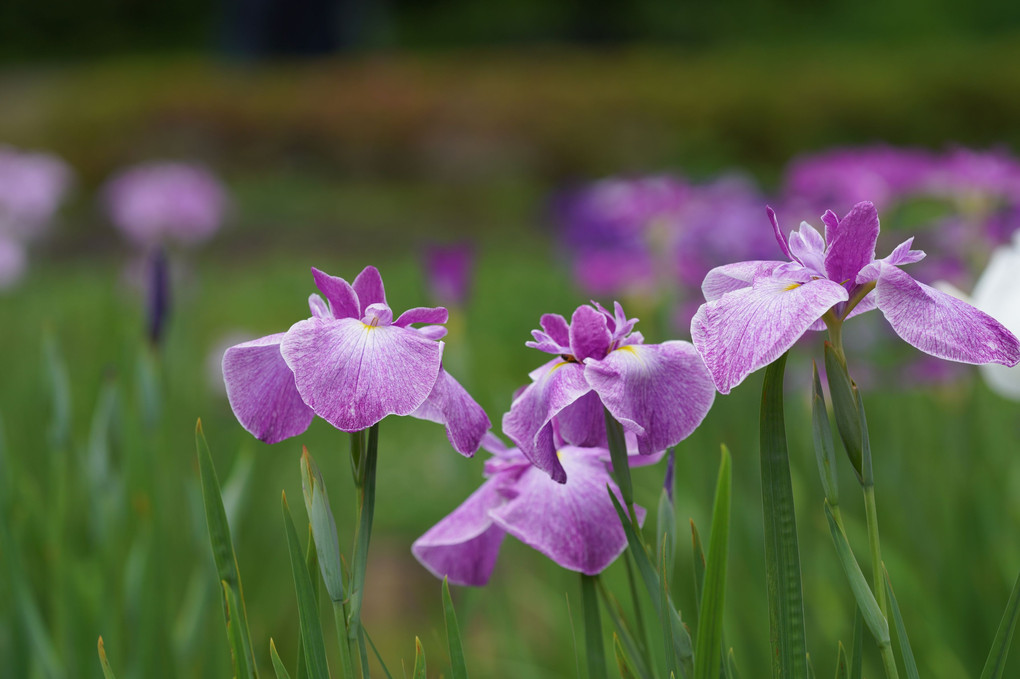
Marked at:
<point>159,202</point>
<point>573,523</point>
<point>658,392</point>
<point>32,186</point>
<point>756,310</point>
<point>448,270</point>
<point>352,364</point>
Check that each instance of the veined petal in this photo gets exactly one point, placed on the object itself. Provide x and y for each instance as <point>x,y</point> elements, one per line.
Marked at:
<point>747,329</point>
<point>353,375</point>
<point>430,315</point>
<point>831,222</point>
<point>464,545</point>
<point>543,342</point>
<point>369,287</point>
<point>730,277</point>
<point>450,405</point>
<point>574,524</point>
<point>661,392</point>
<point>808,246</point>
<point>941,325</point>
<point>341,296</point>
<point>899,256</point>
<point>529,421</point>
<point>853,243</point>
<point>318,307</point>
<point>583,422</point>
<point>261,391</point>
<point>432,332</point>
<point>589,333</point>
<point>780,238</point>
<point>556,328</point>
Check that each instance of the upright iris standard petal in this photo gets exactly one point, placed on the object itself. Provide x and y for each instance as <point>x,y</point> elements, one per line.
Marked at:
<point>463,546</point>
<point>369,287</point>
<point>852,244</point>
<point>574,524</point>
<point>529,422</point>
<point>589,333</point>
<point>450,405</point>
<point>422,314</point>
<point>343,301</point>
<point>261,390</point>
<point>942,325</point>
<point>749,328</point>
<point>662,392</point>
<point>353,375</point>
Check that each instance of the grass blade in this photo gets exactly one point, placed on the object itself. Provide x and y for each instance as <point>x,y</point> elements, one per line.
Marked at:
<point>378,657</point>
<point>594,649</point>
<point>995,665</point>
<point>621,659</point>
<point>731,666</point>
<point>666,538</point>
<point>458,668</point>
<point>866,601</point>
<point>632,650</point>
<point>709,652</point>
<point>419,660</point>
<point>107,671</point>
<point>278,667</point>
<point>308,610</point>
<point>324,532</point>
<point>222,547</point>
<point>844,408</point>
<point>857,659</point>
<point>782,553</point>
<point>901,630</point>
<point>821,433</point>
<point>239,651</point>
<point>842,663</point>
<point>699,566</point>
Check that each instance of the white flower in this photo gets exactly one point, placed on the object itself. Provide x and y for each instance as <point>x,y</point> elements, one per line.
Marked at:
<point>997,293</point>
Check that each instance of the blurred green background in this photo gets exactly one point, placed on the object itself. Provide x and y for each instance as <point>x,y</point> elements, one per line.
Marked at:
<point>440,121</point>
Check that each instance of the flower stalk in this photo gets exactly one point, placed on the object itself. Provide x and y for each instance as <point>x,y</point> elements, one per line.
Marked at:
<point>364,454</point>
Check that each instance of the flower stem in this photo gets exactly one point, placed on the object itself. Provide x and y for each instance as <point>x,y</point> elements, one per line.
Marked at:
<point>343,639</point>
<point>888,661</point>
<point>871,513</point>
<point>594,649</point>
<point>364,479</point>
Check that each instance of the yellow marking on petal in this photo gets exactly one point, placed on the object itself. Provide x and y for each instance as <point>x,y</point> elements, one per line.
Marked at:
<point>792,286</point>
<point>369,327</point>
<point>627,347</point>
<point>559,365</point>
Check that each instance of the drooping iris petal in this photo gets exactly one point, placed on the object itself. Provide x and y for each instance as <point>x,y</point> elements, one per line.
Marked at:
<point>341,296</point>
<point>901,255</point>
<point>529,422</point>
<point>463,546</point>
<point>450,405</point>
<point>261,391</point>
<point>353,375</point>
<point>729,277</point>
<point>369,287</point>
<point>583,422</point>
<point>662,392</point>
<point>432,332</point>
<point>575,523</point>
<point>941,325</point>
<point>852,246</point>
<point>421,314</point>
<point>749,328</point>
<point>589,333</point>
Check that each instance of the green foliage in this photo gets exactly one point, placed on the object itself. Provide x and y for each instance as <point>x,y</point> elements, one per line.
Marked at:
<point>307,604</point>
<point>458,667</point>
<point>708,655</point>
<point>995,665</point>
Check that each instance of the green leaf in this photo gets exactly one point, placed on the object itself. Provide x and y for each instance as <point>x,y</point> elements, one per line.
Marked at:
<point>323,526</point>
<point>844,408</point>
<point>378,657</point>
<point>810,667</point>
<point>59,385</point>
<point>667,632</point>
<point>595,651</point>
<point>222,547</point>
<point>842,663</point>
<point>621,465</point>
<point>782,553</point>
<point>857,659</point>
<point>622,663</point>
<point>419,660</point>
<point>308,610</point>
<point>901,630</point>
<point>239,651</point>
<point>699,566</point>
<point>633,651</point>
<point>458,667</point>
<point>995,665</point>
<point>281,671</point>
<point>731,666</point>
<point>821,434</point>
<point>666,538</point>
<point>107,671</point>
<point>873,617</point>
<point>668,619</point>
<point>312,566</point>
<point>366,469</point>
<point>709,652</point>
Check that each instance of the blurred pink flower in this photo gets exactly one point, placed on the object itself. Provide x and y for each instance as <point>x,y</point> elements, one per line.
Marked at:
<point>448,270</point>
<point>12,262</point>
<point>158,202</point>
<point>32,186</point>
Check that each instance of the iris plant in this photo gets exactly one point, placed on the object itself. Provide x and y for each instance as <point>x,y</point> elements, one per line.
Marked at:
<point>574,524</point>
<point>352,364</point>
<point>658,392</point>
<point>755,311</point>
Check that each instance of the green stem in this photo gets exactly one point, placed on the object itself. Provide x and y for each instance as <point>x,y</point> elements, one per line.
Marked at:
<point>594,649</point>
<point>889,661</point>
<point>871,513</point>
<point>365,466</point>
<point>621,467</point>
<point>343,640</point>
<point>638,617</point>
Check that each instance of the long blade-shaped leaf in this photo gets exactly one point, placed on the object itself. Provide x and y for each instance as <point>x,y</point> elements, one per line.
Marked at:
<point>821,434</point>
<point>857,659</point>
<point>708,654</point>
<point>222,547</point>
<point>782,553</point>
<point>666,537</point>
<point>622,663</point>
<point>699,565</point>
<point>842,663</point>
<point>595,652</point>
<point>239,652</point>
<point>901,630</point>
<point>308,610</point>
<point>848,421</point>
<point>107,671</point>
<point>278,666</point>
<point>320,516</point>
<point>873,617</point>
<point>995,666</point>
<point>623,634</point>
<point>458,668</point>
<point>419,660</point>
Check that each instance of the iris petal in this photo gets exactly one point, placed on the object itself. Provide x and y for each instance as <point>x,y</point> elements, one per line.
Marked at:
<point>450,405</point>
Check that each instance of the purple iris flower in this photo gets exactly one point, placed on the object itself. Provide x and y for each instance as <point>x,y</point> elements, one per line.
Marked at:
<point>448,269</point>
<point>756,310</point>
<point>352,364</point>
<point>658,392</point>
<point>574,524</point>
<point>32,186</point>
<point>156,202</point>
<point>12,262</point>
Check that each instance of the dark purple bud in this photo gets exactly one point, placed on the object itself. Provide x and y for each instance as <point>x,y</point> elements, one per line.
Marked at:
<point>158,295</point>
